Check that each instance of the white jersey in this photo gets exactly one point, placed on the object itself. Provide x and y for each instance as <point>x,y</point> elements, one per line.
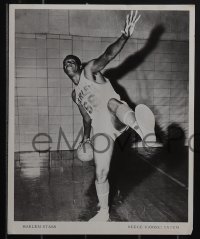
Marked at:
<point>94,96</point>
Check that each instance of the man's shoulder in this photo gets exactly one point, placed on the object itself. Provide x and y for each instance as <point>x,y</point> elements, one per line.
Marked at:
<point>88,67</point>
<point>88,72</point>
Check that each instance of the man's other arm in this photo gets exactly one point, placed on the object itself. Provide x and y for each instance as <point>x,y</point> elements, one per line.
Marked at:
<point>86,119</point>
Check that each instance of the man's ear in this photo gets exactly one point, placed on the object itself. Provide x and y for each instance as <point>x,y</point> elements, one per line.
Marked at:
<point>81,66</point>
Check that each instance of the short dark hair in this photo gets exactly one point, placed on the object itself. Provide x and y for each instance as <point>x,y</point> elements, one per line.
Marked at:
<point>77,60</point>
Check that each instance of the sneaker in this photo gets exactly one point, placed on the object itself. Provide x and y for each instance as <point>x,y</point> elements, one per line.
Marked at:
<point>101,216</point>
<point>146,122</point>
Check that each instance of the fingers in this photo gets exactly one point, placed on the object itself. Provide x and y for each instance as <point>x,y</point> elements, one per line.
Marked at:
<point>131,16</point>
<point>136,12</point>
<point>137,18</point>
<point>127,19</point>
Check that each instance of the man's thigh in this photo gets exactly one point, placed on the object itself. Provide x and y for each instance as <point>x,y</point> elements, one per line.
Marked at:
<point>103,149</point>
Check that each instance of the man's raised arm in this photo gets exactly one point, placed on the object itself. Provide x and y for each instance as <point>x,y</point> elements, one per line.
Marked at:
<point>98,64</point>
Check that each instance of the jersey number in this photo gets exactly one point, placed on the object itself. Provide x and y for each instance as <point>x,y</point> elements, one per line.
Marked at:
<point>88,107</point>
<point>90,103</point>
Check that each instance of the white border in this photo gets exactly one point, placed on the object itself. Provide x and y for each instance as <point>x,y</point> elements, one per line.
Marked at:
<point>132,228</point>
<point>104,7</point>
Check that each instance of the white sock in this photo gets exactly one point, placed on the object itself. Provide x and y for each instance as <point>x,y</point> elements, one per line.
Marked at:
<point>136,127</point>
<point>103,194</point>
<point>131,124</point>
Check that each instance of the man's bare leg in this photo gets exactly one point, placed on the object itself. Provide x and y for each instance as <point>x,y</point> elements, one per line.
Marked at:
<point>103,148</point>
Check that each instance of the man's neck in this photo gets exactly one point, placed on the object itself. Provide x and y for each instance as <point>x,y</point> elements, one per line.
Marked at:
<point>76,78</point>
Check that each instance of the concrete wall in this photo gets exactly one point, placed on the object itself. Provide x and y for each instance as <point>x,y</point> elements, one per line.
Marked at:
<point>43,91</point>
<point>101,23</point>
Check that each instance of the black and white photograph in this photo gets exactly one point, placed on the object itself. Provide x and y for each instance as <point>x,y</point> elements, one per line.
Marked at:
<point>101,111</point>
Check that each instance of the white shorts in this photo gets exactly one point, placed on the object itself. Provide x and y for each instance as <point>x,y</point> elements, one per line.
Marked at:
<point>102,124</point>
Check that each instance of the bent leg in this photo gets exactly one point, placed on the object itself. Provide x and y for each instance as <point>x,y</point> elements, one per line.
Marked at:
<point>124,113</point>
<point>142,120</point>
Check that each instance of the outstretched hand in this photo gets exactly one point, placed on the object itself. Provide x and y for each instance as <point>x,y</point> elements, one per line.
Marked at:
<point>130,23</point>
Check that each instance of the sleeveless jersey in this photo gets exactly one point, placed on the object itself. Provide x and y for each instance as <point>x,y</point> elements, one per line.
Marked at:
<point>94,96</point>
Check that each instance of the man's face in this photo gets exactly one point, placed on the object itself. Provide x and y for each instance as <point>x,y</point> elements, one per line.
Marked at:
<point>70,67</point>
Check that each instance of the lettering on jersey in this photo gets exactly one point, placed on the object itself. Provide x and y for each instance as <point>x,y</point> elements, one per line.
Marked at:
<point>86,90</point>
<point>87,98</point>
<point>88,107</point>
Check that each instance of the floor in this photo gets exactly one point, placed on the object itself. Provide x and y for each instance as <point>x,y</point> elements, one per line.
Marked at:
<point>145,186</point>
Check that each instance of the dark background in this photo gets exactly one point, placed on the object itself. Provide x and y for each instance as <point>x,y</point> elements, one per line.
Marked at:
<point>3,113</point>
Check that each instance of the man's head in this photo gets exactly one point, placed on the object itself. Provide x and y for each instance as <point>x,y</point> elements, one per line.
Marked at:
<point>71,65</point>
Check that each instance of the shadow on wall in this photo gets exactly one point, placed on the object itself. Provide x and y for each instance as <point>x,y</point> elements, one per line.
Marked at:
<point>131,63</point>
<point>174,142</point>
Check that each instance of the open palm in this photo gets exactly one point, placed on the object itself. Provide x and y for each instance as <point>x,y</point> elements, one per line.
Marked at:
<point>130,23</point>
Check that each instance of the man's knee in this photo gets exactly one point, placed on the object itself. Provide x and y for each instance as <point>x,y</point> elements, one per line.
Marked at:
<point>101,175</point>
<point>113,105</point>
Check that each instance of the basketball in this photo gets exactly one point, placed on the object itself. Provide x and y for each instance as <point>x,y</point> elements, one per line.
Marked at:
<point>85,151</point>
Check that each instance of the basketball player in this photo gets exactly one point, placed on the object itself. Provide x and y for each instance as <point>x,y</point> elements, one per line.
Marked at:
<point>102,109</point>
